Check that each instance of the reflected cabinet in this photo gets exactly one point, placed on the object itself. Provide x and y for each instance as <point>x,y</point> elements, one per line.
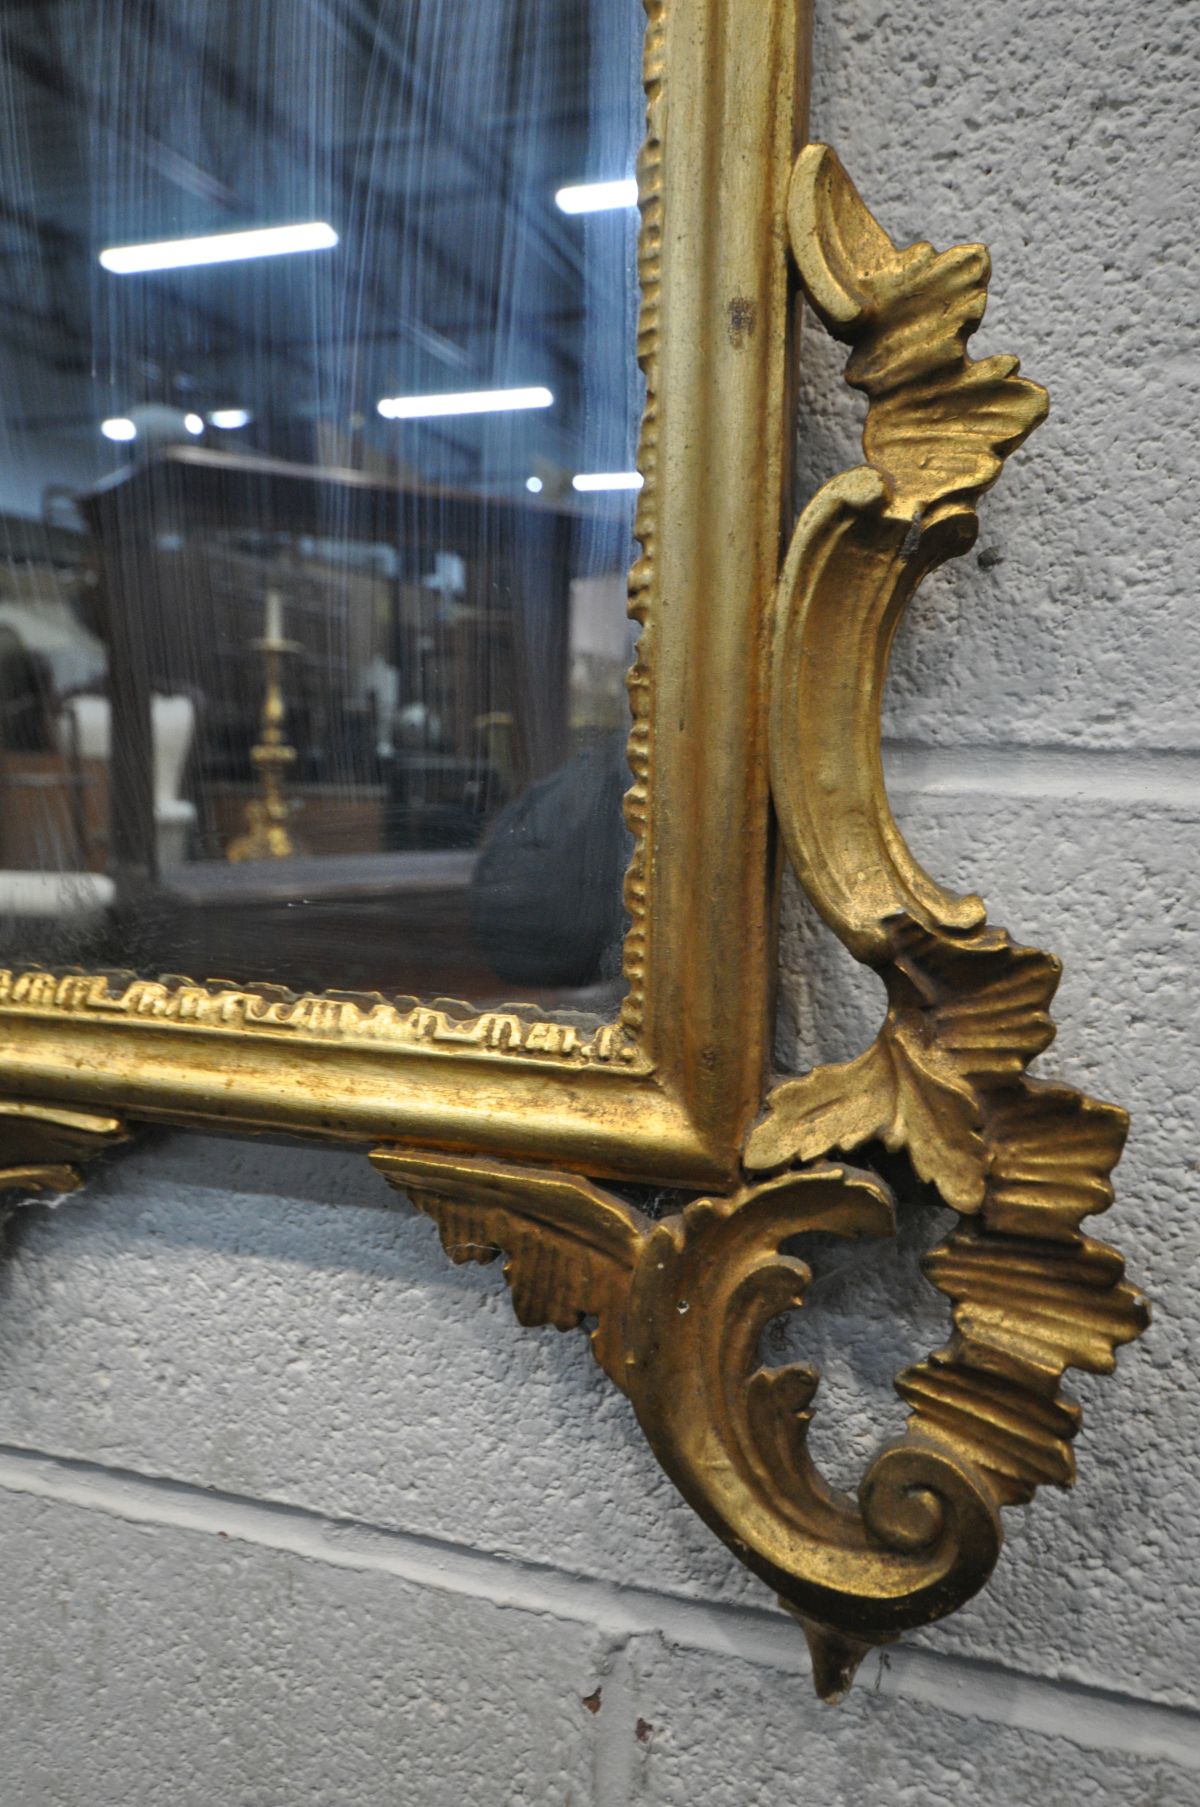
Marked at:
<point>415,679</point>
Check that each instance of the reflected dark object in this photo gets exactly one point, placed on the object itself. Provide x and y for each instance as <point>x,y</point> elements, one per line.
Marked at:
<point>546,903</point>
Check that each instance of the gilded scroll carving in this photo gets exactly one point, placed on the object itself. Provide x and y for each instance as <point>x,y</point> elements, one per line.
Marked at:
<point>968,1010</point>
<point>937,432</point>
<point>1031,1294</point>
<point>732,1432</point>
<point>681,1305</point>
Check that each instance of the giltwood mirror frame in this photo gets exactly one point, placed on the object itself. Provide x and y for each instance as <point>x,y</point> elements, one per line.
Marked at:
<point>756,704</point>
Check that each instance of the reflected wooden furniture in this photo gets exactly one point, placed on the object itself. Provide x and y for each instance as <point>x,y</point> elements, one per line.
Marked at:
<point>145,520</point>
<point>330,820</point>
<point>53,813</point>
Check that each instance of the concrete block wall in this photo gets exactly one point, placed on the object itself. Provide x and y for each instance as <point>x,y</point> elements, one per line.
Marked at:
<point>291,1510</point>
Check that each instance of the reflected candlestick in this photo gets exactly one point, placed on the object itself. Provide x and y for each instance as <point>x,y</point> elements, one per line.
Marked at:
<point>268,833</point>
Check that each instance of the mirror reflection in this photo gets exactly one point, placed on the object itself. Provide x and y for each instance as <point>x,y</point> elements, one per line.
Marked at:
<point>317,441</point>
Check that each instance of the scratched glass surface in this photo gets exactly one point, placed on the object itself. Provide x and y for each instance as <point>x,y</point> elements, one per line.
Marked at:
<point>317,439</point>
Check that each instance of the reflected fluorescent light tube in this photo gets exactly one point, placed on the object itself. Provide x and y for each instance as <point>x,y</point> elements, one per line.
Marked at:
<point>221,248</point>
<point>229,420</point>
<point>597,482</point>
<point>121,432</point>
<point>474,401</point>
<point>598,197</point>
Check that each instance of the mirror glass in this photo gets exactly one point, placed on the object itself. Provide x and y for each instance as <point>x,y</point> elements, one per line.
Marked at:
<point>317,439</point>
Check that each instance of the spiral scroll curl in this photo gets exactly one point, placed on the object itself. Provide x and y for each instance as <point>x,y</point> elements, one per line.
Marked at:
<point>732,1433</point>
<point>679,1309</point>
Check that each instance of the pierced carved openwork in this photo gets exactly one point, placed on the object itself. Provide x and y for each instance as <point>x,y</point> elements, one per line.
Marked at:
<point>680,1305</point>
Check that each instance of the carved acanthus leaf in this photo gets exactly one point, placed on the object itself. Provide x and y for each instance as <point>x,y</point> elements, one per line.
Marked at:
<point>1025,1310</point>
<point>982,1000</point>
<point>1019,1440</point>
<point>964,1014</point>
<point>1030,1309</point>
<point>1053,1153</point>
<point>940,425</point>
<point>571,1247</point>
<point>902,1092</point>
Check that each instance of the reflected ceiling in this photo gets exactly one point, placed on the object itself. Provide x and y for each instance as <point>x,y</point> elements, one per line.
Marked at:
<point>431,137</point>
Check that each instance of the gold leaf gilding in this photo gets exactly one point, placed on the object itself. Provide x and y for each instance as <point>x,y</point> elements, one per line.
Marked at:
<point>682,1305</point>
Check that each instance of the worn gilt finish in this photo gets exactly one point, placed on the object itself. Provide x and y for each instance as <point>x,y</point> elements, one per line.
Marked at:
<point>535,1139</point>
<point>681,1305</point>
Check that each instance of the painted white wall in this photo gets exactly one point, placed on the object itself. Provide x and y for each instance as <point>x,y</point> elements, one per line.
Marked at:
<point>293,1512</point>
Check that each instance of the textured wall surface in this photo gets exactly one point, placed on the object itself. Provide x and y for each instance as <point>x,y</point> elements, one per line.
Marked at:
<point>291,1510</point>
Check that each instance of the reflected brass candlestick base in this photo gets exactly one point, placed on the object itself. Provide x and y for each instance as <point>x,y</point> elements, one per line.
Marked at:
<point>268,834</point>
